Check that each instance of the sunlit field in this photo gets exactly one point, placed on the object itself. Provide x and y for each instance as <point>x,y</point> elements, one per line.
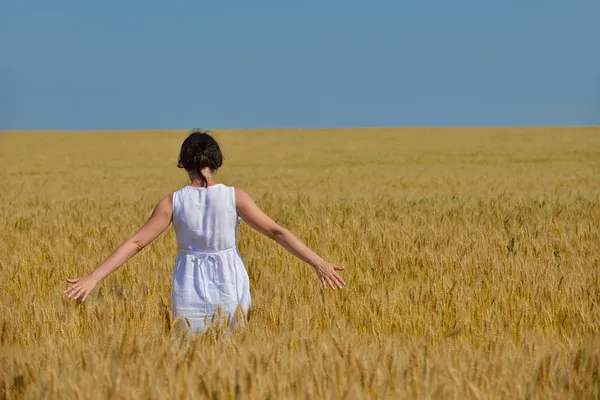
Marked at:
<point>472,266</point>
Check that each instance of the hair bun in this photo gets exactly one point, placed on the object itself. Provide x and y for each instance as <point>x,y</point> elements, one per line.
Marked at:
<point>198,151</point>
<point>200,147</point>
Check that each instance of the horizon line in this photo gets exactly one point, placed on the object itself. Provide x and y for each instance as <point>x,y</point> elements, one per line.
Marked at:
<point>435,127</point>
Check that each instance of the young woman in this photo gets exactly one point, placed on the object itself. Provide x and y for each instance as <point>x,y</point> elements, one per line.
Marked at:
<point>209,272</point>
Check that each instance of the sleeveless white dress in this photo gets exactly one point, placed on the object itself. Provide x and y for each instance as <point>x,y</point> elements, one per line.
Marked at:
<point>209,272</point>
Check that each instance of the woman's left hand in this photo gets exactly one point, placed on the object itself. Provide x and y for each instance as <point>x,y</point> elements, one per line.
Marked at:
<point>81,287</point>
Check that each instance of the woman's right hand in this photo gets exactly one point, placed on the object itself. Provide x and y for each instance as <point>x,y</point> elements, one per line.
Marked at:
<point>328,276</point>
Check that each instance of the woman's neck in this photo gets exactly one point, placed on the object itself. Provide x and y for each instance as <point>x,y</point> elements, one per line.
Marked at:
<point>196,180</point>
<point>199,183</point>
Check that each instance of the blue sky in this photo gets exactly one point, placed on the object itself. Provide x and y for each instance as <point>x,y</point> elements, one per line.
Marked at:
<point>157,64</point>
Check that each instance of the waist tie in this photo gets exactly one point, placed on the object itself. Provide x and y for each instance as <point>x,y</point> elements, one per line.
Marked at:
<point>200,258</point>
<point>202,253</point>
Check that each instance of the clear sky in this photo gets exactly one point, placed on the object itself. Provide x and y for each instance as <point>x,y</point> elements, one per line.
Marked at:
<point>311,63</point>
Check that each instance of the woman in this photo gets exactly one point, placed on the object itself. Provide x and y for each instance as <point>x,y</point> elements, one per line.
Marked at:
<point>209,273</point>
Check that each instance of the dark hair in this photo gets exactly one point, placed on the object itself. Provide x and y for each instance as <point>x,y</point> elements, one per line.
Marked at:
<point>200,150</point>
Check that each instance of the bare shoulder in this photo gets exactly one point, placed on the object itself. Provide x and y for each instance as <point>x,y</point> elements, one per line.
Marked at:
<point>167,200</point>
<point>241,197</point>
<point>165,204</point>
<point>253,215</point>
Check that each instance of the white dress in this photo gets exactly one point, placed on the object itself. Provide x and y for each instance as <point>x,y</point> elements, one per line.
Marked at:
<point>209,272</point>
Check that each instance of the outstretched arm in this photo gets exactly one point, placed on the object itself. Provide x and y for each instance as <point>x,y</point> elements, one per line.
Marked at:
<point>259,221</point>
<point>158,222</point>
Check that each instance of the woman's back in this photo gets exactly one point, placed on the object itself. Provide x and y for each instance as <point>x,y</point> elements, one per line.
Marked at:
<point>205,219</point>
<point>209,273</point>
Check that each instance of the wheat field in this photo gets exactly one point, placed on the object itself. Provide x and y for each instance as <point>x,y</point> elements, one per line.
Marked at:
<point>472,266</point>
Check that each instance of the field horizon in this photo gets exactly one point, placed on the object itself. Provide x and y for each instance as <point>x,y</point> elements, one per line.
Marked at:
<point>472,265</point>
<point>312,128</point>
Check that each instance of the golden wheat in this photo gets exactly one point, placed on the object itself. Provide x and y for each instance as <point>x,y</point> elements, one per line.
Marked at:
<point>472,262</point>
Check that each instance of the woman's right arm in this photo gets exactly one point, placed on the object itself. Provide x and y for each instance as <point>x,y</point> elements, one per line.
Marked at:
<point>258,220</point>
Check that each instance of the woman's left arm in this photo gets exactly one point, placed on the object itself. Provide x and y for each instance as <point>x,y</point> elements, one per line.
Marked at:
<point>158,222</point>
